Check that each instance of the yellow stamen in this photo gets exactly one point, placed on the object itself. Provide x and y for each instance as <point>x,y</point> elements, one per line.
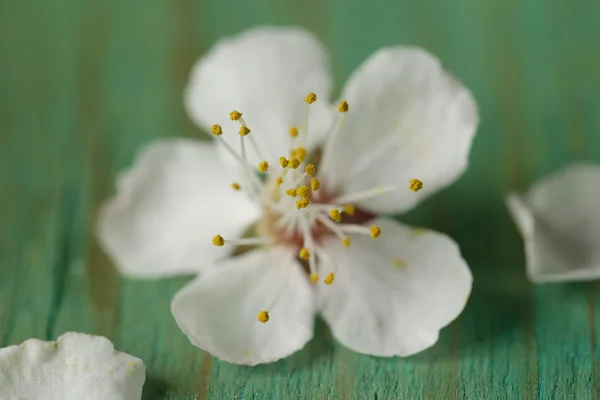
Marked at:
<point>244,130</point>
<point>283,162</point>
<point>263,166</point>
<point>216,130</point>
<point>415,185</point>
<point>302,203</point>
<point>218,241</point>
<point>349,209</point>
<point>235,115</point>
<point>236,186</point>
<point>343,107</point>
<point>329,279</point>
<point>310,98</point>
<point>294,163</point>
<point>291,192</point>
<point>300,153</point>
<point>399,263</point>
<point>335,215</point>
<point>375,231</point>
<point>314,278</point>
<point>303,191</point>
<point>315,184</point>
<point>293,131</point>
<point>346,242</point>
<point>310,169</point>
<point>263,316</point>
<point>304,254</point>
<point>278,181</point>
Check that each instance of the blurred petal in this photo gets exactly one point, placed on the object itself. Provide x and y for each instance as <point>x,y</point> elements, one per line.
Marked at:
<point>218,310</point>
<point>76,366</point>
<point>171,203</point>
<point>559,219</point>
<point>392,295</point>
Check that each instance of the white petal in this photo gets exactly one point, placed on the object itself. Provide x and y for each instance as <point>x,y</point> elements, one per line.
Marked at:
<point>392,295</point>
<point>168,207</point>
<point>559,219</point>
<point>265,73</point>
<point>218,310</point>
<point>408,119</point>
<point>77,366</point>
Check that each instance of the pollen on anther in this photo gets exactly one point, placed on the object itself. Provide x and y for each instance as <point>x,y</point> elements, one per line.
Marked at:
<point>291,192</point>
<point>244,130</point>
<point>346,242</point>
<point>218,241</point>
<point>304,254</point>
<point>278,181</point>
<point>263,316</point>
<point>415,185</point>
<point>283,162</point>
<point>310,169</point>
<point>216,130</point>
<point>375,231</point>
<point>349,209</point>
<point>294,163</point>
<point>335,215</point>
<point>293,131</point>
<point>398,263</point>
<point>329,278</point>
<point>235,115</point>
<point>314,278</point>
<point>300,153</point>
<point>302,203</point>
<point>303,191</point>
<point>315,184</point>
<point>343,106</point>
<point>310,98</point>
<point>236,186</point>
<point>263,166</point>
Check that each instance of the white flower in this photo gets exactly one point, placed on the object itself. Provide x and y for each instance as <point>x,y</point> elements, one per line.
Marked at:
<point>384,288</point>
<point>75,367</point>
<point>559,219</point>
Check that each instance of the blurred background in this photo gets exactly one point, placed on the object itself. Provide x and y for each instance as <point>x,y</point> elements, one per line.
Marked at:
<point>85,83</point>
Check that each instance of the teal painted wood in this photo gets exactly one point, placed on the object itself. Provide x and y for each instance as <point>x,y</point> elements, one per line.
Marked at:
<point>86,83</point>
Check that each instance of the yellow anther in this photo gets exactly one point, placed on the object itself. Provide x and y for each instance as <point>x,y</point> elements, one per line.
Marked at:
<point>375,231</point>
<point>315,184</point>
<point>291,192</point>
<point>346,242</point>
<point>310,98</point>
<point>244,130</point>
<point>293,131</point>
<point>304,254</point>
<point>300,153</point>
<point>303,191</point>
<point>294,163</point>
<point>263,316</point>
<point>236,186</point>
<point>218,241</point>
<point>235,115</point>
<point>283,162</point>
<point>314,278</point>
<point>263,166</point>
<point>278,181</point>
<point>310,169</point>
<point>343,107</point>
<point>349,209</point>
<point>335,215</point>
<point>302,203</point>
<point>399,263</point>
<point>415,185</point>
<point>216,130</point>
<point>329,279</point>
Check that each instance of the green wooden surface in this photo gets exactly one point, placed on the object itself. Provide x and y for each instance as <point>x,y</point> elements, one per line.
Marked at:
<point>85,83</point>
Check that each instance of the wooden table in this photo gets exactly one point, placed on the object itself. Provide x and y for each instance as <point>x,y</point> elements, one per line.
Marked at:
<point>85,83</point>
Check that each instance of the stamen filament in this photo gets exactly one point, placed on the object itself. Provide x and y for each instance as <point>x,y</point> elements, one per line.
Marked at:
<point>252,241</point>
<point>369,193</point>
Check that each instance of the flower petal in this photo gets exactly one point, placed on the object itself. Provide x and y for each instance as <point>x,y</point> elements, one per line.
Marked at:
<point>559,219</point>
<point>265,73</point>
<point>392,295</point>
<point>218,310</point>
<point>76,366</point>
<point>168,207</point>
<point>408,119</point>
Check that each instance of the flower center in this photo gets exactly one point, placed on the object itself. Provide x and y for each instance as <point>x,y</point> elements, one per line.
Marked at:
<point>298,209</point>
